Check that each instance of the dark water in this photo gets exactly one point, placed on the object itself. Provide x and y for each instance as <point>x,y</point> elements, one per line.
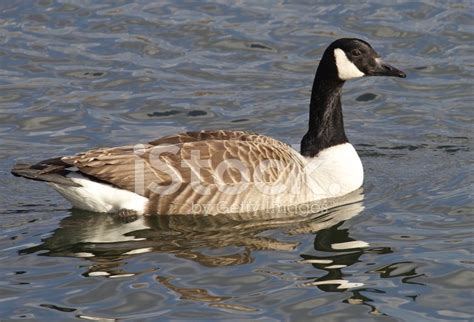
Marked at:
<point>81,74</point>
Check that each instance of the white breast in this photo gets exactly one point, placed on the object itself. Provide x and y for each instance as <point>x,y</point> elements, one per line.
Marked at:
<point>335,171</point>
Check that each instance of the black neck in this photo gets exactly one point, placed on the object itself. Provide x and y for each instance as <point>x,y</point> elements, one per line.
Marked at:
<point>326,126</point>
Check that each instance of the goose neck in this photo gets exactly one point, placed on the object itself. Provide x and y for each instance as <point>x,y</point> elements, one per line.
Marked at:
<point>326,125</point>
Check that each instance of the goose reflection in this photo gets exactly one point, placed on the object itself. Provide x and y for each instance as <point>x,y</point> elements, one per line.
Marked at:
<point>336,250</point>
<point>106,241</point>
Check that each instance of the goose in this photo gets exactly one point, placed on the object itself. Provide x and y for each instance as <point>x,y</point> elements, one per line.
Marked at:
<point>220,171</point>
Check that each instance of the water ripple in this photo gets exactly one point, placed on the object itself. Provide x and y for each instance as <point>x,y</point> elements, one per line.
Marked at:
<point>77,75</point>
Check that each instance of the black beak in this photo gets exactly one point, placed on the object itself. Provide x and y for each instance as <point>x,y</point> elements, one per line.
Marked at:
<point>384,69</point>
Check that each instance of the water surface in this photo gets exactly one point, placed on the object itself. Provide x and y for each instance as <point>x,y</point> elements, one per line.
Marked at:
<point>76,75</point>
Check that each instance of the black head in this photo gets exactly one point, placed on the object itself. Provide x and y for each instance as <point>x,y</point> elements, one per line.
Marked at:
<point>349,58</point>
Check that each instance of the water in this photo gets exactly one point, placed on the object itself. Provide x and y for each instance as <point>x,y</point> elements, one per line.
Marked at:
<point>81,74</point>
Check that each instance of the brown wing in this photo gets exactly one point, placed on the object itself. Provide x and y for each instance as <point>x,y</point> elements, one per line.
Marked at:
<point>219,135</point>
<point>177,162</point>
<point>158,160</point>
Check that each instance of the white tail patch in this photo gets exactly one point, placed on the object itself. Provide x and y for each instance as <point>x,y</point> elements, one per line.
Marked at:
<point>100,197</point>
<point>345,68</point>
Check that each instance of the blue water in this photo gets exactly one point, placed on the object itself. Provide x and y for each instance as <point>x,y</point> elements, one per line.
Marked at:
<point>76,75</point>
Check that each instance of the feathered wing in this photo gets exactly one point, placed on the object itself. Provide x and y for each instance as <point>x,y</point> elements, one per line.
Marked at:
<point>206,169</point>
<point>217,135</point>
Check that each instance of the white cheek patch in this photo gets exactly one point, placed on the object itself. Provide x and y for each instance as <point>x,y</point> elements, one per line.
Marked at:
<point>345,68</point>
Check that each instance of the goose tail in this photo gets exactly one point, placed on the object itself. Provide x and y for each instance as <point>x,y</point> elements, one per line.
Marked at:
<point>47,171</point>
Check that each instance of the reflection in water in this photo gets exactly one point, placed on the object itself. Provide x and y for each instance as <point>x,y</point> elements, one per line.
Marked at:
<point>336,250</point>
<point>330,241</point>
<point>108,244</point>
<point>107,241</point>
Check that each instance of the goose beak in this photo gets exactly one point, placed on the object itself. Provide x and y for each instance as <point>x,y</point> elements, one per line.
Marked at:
<point>384,69</point>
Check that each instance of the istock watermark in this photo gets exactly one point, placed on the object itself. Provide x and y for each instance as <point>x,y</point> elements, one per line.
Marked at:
<point>164,169</point>
<point>224,207</point>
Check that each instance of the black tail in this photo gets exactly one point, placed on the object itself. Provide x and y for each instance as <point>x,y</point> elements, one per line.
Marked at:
<point>52,170</point>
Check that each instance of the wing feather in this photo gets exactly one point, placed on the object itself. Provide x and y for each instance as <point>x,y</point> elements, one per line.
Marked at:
<point>210,160</point>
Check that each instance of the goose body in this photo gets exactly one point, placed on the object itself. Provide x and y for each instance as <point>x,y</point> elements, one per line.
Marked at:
<point>217,172</point>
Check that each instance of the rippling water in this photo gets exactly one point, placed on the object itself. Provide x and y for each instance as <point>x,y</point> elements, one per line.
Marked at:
<point>81,74</point>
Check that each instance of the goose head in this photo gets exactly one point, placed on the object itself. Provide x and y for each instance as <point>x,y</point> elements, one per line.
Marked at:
<point>349,58</point>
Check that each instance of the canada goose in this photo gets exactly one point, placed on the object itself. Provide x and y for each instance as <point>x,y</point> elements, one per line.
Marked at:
<point>213,172</point>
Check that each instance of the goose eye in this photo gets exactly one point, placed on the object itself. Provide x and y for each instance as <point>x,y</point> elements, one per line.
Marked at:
<point>355,52</point>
